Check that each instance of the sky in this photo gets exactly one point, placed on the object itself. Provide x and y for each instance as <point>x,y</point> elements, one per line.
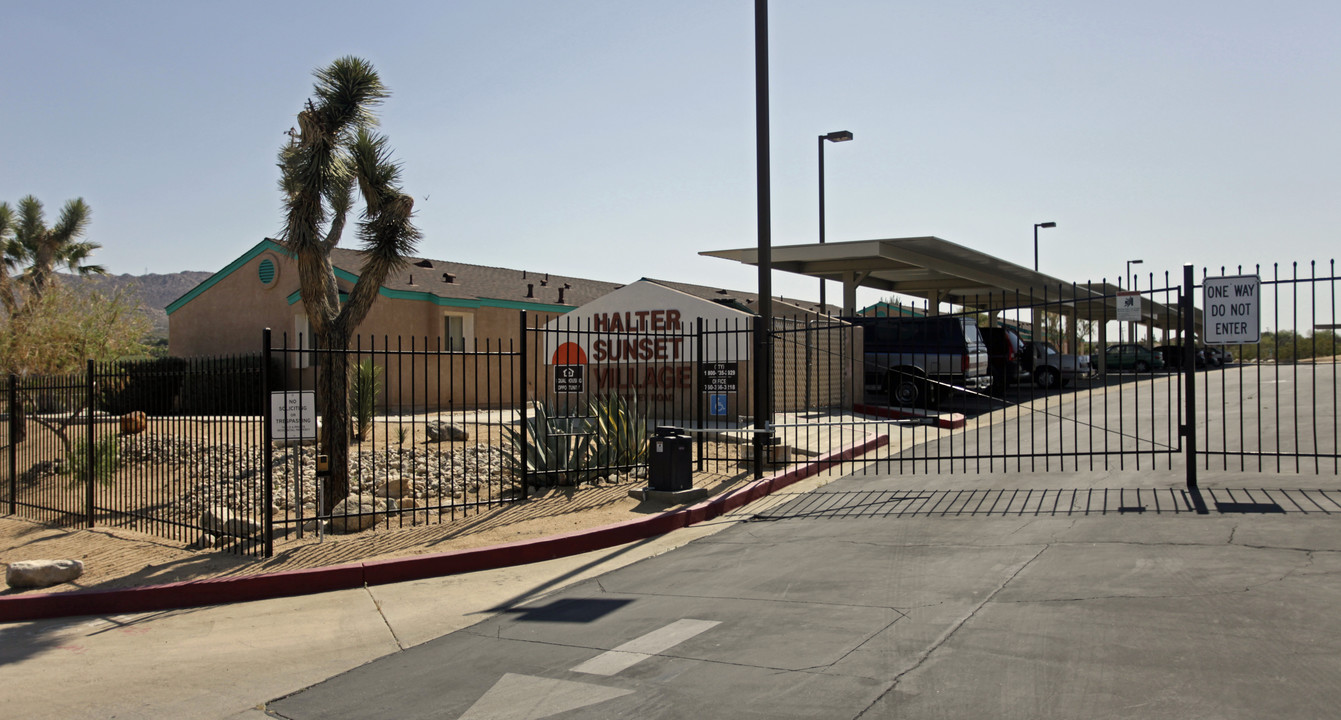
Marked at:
<point>615,139</point>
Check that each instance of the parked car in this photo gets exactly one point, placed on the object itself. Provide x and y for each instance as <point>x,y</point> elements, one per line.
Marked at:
<point>1218,357</point>
<point>1172,355</point>
<point>1005,350</point>
<point>1130,356</point>
<point>916,360</point>
<point>1050,369</point>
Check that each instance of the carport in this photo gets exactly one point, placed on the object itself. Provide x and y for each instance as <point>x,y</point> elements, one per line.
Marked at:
<point>940,271</point>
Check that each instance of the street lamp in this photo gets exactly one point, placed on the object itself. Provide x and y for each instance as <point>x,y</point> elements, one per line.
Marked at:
<point>1036,227</point>
<point>1129,264</point>
<point>836,136</point>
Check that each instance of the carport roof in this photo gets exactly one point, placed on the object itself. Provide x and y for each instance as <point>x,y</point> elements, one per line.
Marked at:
<point>939,270</point>
<point>926,267</point>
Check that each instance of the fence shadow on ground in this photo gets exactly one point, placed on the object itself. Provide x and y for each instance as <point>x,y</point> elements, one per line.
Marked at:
<point>1078,502</point>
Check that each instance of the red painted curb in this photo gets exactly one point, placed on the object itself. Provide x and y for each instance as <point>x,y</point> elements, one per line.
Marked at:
<point>220,591</point>
<point>947,421</point>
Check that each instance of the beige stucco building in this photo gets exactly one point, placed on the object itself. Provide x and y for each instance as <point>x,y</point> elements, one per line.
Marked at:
<point>476,312</point>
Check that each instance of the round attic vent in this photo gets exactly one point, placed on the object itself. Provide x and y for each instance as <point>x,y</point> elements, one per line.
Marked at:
<point>266,271</point>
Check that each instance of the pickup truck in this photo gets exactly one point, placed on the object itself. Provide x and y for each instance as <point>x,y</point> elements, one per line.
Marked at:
<point>917,360</point>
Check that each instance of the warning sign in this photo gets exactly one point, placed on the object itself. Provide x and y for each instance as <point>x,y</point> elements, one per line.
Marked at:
<point>1129,307</point>
<point>568,379</point>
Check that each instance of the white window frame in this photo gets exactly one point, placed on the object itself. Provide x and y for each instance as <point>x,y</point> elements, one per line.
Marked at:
<point>303,340</point>
<point>467,331</point>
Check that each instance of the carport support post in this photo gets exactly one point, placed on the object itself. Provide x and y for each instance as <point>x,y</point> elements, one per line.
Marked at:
<point>1190,391</point>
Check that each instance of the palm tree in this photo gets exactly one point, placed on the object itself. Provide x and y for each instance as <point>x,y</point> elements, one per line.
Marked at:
<point>49,248</point>
<point>333,153</point>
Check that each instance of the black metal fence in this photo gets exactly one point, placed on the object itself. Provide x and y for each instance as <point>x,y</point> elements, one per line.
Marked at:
<point>165,447</point>
<point>227,452</point>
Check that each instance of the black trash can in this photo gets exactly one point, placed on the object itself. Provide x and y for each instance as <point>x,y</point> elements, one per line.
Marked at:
<point>670,467</point>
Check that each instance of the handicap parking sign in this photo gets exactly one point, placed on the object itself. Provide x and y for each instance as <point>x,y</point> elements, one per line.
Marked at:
<point>717,404</point>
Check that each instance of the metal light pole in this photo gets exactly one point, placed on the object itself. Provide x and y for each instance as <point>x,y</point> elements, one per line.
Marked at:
<point>836,136</point>
<point>1131,327</point>
<point>1129,264</point>
<point>763,355</point>
<point>1036,227</point>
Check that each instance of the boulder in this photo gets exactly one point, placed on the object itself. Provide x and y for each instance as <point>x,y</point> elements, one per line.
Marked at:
<point>134,423</point>
<point>439,431</point>
<point>394,488</point>
<point>42,573</point>
<point>356,514</point>
<point>222,521</point>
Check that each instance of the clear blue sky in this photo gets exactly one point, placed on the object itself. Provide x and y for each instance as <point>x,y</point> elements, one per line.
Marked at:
<point>614,139</point>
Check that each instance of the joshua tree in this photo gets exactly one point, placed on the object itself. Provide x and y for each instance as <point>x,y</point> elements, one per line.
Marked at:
<point>332,154</point>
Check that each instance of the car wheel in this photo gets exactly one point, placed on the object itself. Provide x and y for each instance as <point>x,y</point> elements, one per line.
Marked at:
<point>1046,378</point>
<point>1142,366</point>
<point>907,389</point>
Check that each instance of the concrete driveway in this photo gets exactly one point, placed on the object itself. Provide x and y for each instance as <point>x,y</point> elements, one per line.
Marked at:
<point>825,608</point>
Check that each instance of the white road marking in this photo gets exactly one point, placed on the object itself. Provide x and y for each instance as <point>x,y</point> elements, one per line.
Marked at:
<point>635,651</point>
<point>525,697</point>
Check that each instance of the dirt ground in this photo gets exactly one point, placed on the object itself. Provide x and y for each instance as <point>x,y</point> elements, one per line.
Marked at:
<point>116,558</point>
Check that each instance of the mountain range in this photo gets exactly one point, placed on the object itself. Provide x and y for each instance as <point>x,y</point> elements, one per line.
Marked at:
<point>153,291</point>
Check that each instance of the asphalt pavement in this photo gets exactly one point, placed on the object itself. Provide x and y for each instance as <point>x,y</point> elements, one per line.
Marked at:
<point>871,596</point>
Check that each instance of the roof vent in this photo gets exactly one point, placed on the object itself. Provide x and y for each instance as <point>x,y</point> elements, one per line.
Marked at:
<point>448,278</point>
<point>721,292</point>
<point>545,282</point>
<point>424,264</point>
<point>560,296</point>
<point>566,286</point>
<point>530,290</point>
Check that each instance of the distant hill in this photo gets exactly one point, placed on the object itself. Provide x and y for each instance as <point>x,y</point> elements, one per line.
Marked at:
<point>153,291</point>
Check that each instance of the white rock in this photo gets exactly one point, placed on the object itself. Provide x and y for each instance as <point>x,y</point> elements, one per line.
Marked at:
<point>42,573</point>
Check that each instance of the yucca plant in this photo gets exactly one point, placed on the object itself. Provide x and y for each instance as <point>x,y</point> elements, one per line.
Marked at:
<point>363,395</point>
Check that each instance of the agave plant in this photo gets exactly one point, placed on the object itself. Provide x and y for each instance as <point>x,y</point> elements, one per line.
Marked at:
<point>555,448</point>
<point>619,429</point>
<point>572,450</point>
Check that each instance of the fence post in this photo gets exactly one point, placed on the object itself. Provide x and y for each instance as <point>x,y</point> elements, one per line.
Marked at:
<point>90,449</point>
<point>700,418</point>
<point>763,389</point>
<point>267,472</point>
<point>520,450</point>
<point>1188,346</point>
<point>13,445</point>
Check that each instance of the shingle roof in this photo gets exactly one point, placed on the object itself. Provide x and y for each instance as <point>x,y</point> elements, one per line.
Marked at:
<point>427,275</point>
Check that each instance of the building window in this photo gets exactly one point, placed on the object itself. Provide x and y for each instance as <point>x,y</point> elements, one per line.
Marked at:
<point>457,331</point>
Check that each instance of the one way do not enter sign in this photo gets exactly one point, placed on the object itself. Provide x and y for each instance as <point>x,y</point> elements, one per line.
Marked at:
<point>1233,310</point>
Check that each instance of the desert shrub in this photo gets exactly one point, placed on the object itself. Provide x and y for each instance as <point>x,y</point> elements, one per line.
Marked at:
<point>106,459</point>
